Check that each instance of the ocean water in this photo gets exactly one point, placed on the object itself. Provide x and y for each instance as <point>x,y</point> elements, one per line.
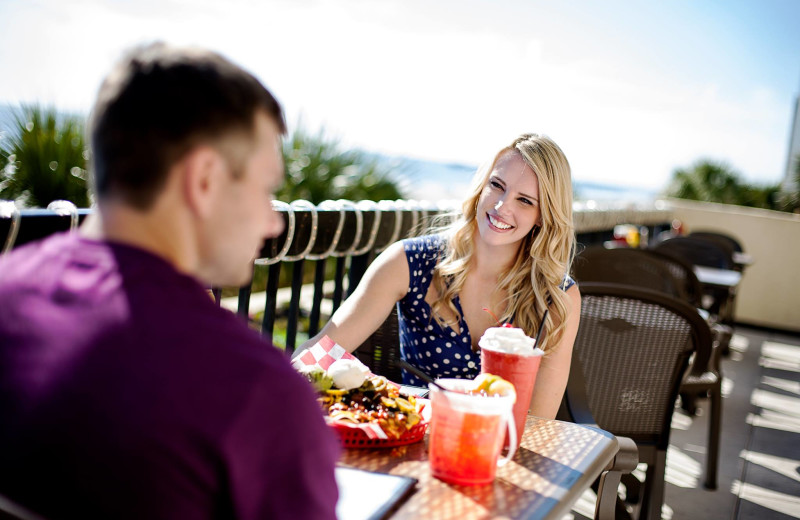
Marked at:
<point>434,181</point>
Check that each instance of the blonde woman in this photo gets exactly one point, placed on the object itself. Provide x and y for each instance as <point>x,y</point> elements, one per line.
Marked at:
<point>510,252</point>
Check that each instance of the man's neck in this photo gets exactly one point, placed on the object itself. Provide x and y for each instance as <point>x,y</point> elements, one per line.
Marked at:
<point>157,231</point>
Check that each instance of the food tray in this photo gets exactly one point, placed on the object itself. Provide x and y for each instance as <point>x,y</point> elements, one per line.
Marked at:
<point>354,437</point>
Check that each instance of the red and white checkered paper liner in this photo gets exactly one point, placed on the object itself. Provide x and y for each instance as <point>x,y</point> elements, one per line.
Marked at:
<point>323,354</point>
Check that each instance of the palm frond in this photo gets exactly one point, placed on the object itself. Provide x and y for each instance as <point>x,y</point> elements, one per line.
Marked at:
<point>318,169</point>
<point>43,158</point>
<point>715,181</point>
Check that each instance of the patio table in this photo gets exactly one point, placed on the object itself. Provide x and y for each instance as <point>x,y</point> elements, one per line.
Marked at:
<point>742,259</point>
<point>555,463</point>
<point>725,278</point>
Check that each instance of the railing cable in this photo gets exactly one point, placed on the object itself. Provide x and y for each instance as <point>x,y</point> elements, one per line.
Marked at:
<point>386,205</point>
<point>9,210</point>
<point>279,205</point>
<point>368,205</point>
<point>304,204</point>
<point>359,228</point>
<point>66,208</point>
<point>325,205</point>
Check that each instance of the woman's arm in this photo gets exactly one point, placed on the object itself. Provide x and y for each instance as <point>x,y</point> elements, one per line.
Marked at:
<point>551,381</point>
<point>384,283</point>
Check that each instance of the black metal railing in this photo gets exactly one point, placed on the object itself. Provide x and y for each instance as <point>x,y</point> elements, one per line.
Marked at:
<point>340,239</point>
<point>324,250</point>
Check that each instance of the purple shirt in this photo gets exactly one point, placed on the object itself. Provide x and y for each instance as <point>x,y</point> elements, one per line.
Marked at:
<point>125,392</point>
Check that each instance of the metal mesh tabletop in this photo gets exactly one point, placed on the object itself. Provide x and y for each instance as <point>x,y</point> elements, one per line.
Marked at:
<point>555,463</point>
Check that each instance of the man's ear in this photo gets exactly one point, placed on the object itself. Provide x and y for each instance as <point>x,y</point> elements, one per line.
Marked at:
<point>202,173</point>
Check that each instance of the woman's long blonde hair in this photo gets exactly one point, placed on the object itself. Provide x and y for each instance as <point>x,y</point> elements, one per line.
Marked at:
<point>534,282</point>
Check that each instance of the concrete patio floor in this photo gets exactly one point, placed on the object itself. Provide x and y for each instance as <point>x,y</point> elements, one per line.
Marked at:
<point>759,470</point>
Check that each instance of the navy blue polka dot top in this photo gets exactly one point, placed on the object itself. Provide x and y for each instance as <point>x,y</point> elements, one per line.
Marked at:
<point>436,350</point>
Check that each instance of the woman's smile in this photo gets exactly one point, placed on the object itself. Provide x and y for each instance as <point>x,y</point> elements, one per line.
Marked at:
<point>498,223</point>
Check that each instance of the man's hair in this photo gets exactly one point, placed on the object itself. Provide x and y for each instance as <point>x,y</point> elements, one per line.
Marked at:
<point>156,105</point>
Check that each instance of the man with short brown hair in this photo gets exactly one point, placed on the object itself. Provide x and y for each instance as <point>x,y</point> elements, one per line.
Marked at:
<point>125,392</point>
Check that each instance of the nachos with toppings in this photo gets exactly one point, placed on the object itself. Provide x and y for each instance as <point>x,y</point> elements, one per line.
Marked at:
<point>369,399</point>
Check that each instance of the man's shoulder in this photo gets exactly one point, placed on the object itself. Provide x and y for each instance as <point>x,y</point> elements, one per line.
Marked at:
<point>22,255</point>
<point>189,318</point>
<point>220,337</point>
<point>32,267</point>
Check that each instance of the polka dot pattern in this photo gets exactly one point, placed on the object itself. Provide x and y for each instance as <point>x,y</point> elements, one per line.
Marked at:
<point>436,350</point>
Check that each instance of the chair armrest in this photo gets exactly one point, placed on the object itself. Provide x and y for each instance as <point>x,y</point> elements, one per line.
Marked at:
<point>625,461</point>
<point>627,458</point>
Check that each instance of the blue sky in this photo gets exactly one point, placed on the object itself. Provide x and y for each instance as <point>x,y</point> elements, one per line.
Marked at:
<point>630,90</point>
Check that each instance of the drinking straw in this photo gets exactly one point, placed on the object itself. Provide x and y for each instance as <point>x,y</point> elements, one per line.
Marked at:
<point>420,374</point>
<point>541,327</point>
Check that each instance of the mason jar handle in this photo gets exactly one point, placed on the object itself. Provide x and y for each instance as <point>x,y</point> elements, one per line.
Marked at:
<point>512,439</point>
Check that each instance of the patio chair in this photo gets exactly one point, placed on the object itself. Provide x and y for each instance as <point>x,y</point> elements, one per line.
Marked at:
<point>649,269</point>
<point>702,252</point>
<point>708,381</point>
<point>381,351</point>
<point>723,240</point>
<point>682,272</point>
<point>630,356</point>
<point>627,266</point>
<point>646,269</point>
<point>696,250</point>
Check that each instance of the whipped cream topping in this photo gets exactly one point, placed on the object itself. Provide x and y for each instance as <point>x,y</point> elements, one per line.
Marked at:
<point>348,373</point>
<point>511,340</point>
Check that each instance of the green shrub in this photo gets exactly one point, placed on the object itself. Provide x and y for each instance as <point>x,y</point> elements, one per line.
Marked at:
<point>717,182</point>
<point>43,158</point>
<point>317,169</point>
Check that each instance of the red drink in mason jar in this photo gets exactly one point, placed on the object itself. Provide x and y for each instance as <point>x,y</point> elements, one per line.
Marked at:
<point>466,433</point>
<point>508,353</point>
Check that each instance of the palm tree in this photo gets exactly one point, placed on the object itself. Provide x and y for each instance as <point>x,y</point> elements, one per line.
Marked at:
<point>714,181</point>
<point>43,158</point>
<point>706,180</point>
<point>317,170</point>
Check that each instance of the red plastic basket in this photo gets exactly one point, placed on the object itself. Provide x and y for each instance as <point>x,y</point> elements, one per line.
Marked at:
<point>356,438</point>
